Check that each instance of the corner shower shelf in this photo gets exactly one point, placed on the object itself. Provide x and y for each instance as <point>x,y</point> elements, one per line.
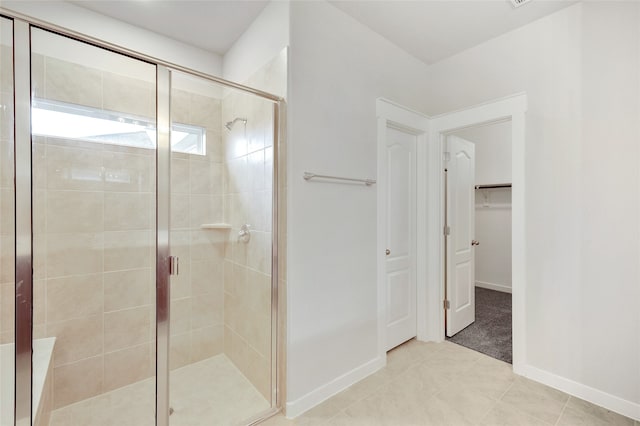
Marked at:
<point>216,226</point>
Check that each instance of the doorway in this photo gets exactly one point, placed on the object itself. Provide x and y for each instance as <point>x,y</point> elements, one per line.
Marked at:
<point>478,242</point>
<point>512,109</point>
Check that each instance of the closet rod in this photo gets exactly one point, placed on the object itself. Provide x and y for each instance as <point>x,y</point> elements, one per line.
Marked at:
<point>497,185</point>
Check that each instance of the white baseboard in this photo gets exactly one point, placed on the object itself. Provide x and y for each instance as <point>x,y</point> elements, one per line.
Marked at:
<point>491,286</point>
<point>315,397</point>
<point>595,396</point>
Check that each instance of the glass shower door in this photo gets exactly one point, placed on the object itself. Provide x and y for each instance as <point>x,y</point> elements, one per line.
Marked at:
<point>94,206</point>
<point>221,310</point>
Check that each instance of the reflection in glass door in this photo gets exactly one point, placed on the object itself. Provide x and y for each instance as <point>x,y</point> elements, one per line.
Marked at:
<point>221,201</point>
<point>7,226</point>
<point>94,184</point>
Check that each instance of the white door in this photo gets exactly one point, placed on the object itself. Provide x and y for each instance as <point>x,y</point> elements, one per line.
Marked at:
<point>460,220</point>
<point>400,260</point>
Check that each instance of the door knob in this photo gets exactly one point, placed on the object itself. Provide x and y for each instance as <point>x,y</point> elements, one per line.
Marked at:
<point>387,252</point>
<point>475,243</point>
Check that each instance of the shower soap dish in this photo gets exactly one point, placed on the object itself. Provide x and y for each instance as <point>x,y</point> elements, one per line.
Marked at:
<point>215,226</point>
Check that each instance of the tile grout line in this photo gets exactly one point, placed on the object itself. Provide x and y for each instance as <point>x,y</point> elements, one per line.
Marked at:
<point>562,411</point>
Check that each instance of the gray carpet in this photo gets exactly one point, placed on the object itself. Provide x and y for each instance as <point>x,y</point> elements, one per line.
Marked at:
<point>491,332</point>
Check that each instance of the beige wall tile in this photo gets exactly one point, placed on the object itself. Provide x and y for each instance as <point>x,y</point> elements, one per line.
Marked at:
<point>68,82</point>
<point>127,289</point>
<point>124,172</point>
<point>207,309</point>
<point>207,244</point>
<point>128,366</point>
<point>205,209</point>
<point>268,168</point>
<point>7,307</point>
<point>180,104</point>
<point>180,176</point>
<point>205,176</point>
<point>128,95</point>
<point>180,350</point>
<point>207,277</point>
<point>39,301</point>
<point>70,168</point>
<point>123,211</point>
<point>127,328</point>
<point>6,158</point>
<point>77,381</point>
<point>207,342</point>
<point>129,250</point>
<point>180,217</point>
<point>239,353</point>
<point>180,316</point>
<point>228,277</point>
<point>68,254</point>
<point>256,211</point>
<point>74,297</point>
<point>6,67</point>
<point>238,175</point>
<point>255,167</point>
<point>74,211</point>
<point>204,111</point>
<point>259,372</point>
<point>7,258</point>
<point>39,211</point>
<point>76,339</point>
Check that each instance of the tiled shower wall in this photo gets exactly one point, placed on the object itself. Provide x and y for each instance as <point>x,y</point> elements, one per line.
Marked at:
<point>197,293</point>
<point>248,200</point>
<point>94,239</point>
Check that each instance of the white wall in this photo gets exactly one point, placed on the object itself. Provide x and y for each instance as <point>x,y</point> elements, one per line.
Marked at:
<point>493,206</point>
<point>267,36</point>
<point>93,24</point>
<point>338,69</point>
<point>580,69</point>
<point>493,152</point>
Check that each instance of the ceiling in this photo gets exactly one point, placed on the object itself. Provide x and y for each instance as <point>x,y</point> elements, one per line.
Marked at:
<point>430,30</point>
<point>433,30</point>
<point>212,25</point>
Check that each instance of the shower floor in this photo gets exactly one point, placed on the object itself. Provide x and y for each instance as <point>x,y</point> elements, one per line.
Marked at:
<point>208,393</point>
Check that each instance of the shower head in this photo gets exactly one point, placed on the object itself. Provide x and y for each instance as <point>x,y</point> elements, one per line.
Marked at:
<point>231,123</point>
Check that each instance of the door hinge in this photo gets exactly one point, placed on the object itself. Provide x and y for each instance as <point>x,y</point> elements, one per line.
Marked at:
<point>446,156</point>
<point>446,304</point>
<point>446,230</point>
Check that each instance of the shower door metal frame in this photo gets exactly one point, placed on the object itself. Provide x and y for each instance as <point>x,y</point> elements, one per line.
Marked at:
<point>23,223</point>
<point>22,25</point>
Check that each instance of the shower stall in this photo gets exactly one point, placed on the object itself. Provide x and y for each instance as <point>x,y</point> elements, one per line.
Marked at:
<point>139,238</point>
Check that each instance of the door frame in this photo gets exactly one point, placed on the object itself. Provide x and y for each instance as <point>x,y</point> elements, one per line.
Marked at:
<point>390,114</point>
<point>22,25</point>
<point>431,132</point>
<point>513,109</point>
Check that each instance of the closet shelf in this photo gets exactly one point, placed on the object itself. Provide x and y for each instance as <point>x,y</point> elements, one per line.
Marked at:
<point>216,226</point>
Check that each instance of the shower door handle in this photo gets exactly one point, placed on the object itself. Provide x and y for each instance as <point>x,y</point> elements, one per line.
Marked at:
<point>174,265</point>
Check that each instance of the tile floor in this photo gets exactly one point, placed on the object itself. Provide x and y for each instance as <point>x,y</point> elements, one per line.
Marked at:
<point>208,393</point>
<point>447,384</point>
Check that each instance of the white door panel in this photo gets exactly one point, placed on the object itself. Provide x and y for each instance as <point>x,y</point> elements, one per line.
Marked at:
<point>401,242</point>
<point>461,222</point>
